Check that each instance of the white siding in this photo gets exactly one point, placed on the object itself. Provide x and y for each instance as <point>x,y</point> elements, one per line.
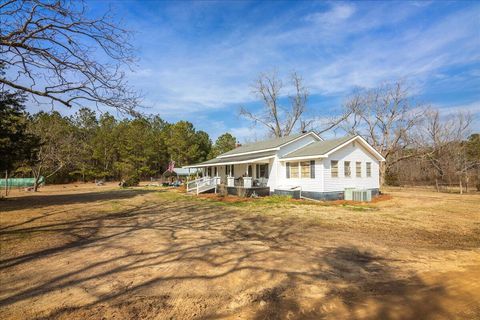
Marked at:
<point>272,175</point>
<point>352,154</point>
<point>295,145</point>
<point>307,184</point>
<point>277,171</point>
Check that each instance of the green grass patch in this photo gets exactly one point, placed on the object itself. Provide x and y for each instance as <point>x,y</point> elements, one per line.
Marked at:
<point>274,201</point>
<point>359,207</point>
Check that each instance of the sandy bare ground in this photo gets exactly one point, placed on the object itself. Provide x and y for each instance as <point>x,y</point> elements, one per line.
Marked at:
<point>91,252</point>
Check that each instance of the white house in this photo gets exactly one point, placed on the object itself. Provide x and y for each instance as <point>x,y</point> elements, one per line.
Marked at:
<point>319,169</point>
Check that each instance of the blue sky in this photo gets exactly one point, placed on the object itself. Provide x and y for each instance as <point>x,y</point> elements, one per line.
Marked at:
<point>197,60</point>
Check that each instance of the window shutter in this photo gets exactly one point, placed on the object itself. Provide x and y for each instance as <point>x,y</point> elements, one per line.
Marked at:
<point>288,170</point>
<point>312,169</point>
<point>257,171</point>
<point>232,171</point>
<point>226,170</point>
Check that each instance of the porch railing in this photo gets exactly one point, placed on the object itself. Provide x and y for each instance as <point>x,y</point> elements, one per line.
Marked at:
<point>202,184</point>
<point>259,182</point>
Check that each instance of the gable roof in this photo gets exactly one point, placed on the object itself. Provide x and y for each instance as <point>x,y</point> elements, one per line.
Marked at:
<point>324,148</point>
<point>265,145</point>
<point>317,148</point>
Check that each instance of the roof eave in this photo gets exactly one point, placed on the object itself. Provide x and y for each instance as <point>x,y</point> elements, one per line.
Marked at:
<point>303,158</point>
<point>201,165</point>
<point>244,153</point>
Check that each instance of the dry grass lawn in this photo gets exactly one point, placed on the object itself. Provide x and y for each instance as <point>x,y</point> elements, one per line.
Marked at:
<point>88,252</point>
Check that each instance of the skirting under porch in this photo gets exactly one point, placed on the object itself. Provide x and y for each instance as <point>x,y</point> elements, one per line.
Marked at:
<point>242,191</point>
<point>323,196</point>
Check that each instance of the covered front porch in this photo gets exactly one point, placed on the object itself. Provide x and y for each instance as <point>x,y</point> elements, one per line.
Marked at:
<point>243,175</point>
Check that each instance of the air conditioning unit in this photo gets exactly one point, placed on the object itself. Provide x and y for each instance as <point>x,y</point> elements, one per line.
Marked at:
<point>359,195</point>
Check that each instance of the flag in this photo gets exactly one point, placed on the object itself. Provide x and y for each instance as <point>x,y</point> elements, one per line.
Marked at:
<point>171,166</point>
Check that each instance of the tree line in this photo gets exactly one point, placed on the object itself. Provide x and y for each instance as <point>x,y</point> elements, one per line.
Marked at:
<point>58,54</point>
<point>88,146</point>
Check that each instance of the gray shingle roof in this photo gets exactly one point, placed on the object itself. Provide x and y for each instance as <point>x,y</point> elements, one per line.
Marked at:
<point>317,148</point>
<point>243,157</point>
<point>262,145</point>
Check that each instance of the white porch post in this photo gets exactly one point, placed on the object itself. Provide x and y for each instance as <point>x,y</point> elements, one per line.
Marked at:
<point>247,182</point>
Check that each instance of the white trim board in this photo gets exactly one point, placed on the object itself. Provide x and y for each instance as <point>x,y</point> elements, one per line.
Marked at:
<point>229,163</point>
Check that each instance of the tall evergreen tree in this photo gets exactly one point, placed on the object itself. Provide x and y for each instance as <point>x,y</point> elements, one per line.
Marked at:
<point>224,143</point>
<point>85,125</point>
<point>16,144</point>
<point>104,144</point>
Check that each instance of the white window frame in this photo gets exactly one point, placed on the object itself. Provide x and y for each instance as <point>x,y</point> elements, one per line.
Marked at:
<point>358,173</point>
<point>349,169</point>
<point>298,170</point>
<point>368,169</point>
<point>331,168</point>
<point>309,170</point>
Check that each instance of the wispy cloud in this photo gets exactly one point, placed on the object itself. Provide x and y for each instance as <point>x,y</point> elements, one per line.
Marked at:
<point>337,14</point>
<point>199,58</point>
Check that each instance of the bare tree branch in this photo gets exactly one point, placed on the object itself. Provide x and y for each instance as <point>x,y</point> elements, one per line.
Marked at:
<point>59,53</point>
<point>279,120</point>
<point>386,117</point>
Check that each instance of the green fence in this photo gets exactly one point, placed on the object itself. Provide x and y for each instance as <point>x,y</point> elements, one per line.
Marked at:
<point>20,182</point>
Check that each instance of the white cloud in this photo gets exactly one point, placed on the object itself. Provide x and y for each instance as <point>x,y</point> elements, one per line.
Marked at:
<point>334,49</point>
<point>338,13</point>
<point>413,55</point>
<point>472,108</point>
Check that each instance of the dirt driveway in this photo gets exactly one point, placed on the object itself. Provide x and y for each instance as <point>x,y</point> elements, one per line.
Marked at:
<point>92,253</point>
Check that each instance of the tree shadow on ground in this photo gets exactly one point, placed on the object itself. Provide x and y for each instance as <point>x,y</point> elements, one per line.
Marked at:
<point>361,285</point>
<point>36,201</point>
<point>222,243</point>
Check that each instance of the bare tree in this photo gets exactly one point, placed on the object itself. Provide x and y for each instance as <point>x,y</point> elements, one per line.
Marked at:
<point>445,145</point>
<point>58,145</point>
<point>385,117</point>
<point>281,120</point>
<point>56,53</point>
<point>278,119</point>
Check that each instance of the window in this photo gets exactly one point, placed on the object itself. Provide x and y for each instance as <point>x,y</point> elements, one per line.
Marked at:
<point>231,172</point>
<point>262,170</point>
<point>312,169</point>
<point>358,169</point>
<point>347,171</point>
<point>294,170</point>
<point>334,168</point>
<point>215,173</point>
<point>369,169</point>
<point>305,169</point>
<point>249,170</point>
